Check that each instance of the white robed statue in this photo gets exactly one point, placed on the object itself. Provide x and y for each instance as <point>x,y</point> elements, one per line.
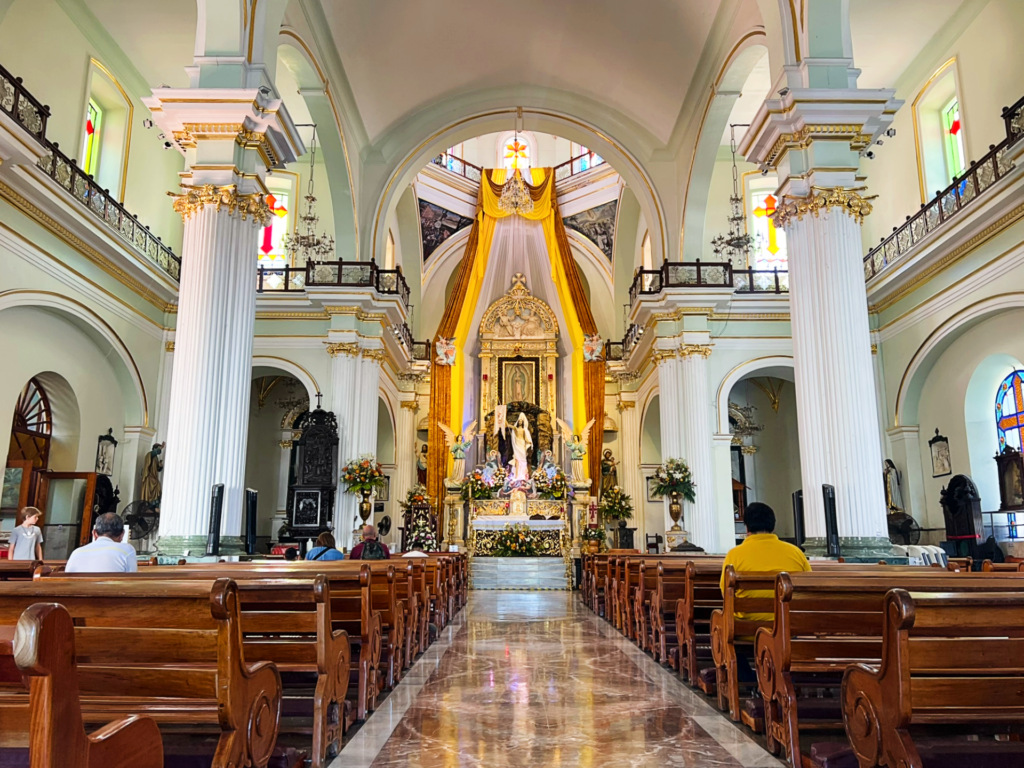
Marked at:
<point>522,442</point>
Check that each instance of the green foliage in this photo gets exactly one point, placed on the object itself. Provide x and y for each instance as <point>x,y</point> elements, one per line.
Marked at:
<point>616,505</point>
<point>674,477</point>
<point>516,541</point>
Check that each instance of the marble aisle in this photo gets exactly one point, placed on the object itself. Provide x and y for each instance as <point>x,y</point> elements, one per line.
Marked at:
<point>534,679</point>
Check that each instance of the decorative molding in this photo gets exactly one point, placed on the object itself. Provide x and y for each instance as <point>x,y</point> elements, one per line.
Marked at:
<point>291,315</point>
<point>169,346</point>
<point>874,349</point>
<point>804,137</point>
<point>625,377</point>
<point>695,350</point>
<point>411,405</point>
<point>375,354</point>
<point>822,199</point>
<point>286,444</point>
<point>414,378</point>
<point>196,198</point>
<point>625,405</point>
<point>350,348</point>
<point>664,355</point>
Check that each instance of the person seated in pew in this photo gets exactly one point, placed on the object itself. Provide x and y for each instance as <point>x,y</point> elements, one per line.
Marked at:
<point>326,548</point>
<point>761,552</point>
<point>291,554</point>
<point>106,553</point>
<point>26,542</point>
<point>370,548</point>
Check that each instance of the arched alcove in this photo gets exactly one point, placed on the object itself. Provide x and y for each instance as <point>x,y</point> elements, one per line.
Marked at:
<point>66,428</point>
<point>385,433</point>
<point>650,433</point>
<point>980,423</point>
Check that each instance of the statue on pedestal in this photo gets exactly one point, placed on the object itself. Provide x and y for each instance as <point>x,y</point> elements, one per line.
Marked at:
<point>522,442</point>
<point>577,447</point>
<point>152,466</point>
<point>609,472</point>
<point>458,445</point>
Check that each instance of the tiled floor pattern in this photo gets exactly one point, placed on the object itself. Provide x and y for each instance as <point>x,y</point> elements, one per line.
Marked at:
<point>535,679</point>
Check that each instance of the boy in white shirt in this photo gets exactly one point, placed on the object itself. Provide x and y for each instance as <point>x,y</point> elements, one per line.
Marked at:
<point>106,553</point>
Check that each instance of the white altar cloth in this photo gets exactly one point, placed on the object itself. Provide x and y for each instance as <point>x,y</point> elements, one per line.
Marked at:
<point>497,522</point>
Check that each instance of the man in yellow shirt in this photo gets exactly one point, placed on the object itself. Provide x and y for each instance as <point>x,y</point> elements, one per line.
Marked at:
<point>760,552</point>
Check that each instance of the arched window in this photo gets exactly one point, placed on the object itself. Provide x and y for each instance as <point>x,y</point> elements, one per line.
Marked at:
<point>1010,411</point>
<point>91,150</point>
<point>33,426</point>
<point>516,150</point>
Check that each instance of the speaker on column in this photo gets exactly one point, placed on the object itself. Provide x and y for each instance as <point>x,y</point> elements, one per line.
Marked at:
<point>216,508</point>
<point>799,532</point>
<point>250,521</point>
<point>831,525</point>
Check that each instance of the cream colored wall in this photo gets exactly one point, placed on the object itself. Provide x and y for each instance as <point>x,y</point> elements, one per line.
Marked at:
<point>551,150</point>
<point>990,61</point>
<point>42,45</point>
<point>718,206</point>
<point>263,460</point>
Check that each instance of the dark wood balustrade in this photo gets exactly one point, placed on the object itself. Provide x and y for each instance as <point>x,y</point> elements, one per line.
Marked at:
<point>458,166</point>
<point>709,274</point>
<point>31,115</point>
<point>361,274</point>
<point>947,203</point>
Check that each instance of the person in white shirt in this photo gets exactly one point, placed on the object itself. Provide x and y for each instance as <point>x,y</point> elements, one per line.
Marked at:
<point>106,553</point>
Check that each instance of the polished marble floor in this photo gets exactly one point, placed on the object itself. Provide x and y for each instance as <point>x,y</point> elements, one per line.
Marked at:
<point>535,679</point>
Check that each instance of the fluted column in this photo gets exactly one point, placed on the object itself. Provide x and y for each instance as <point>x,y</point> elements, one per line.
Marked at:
<point>405,448</point>
<point>344,405</point>
<point>697,445</point>
<point>670,394</point>
<point>209,399</point>
<point>835,389</point>
<point>630,478</point>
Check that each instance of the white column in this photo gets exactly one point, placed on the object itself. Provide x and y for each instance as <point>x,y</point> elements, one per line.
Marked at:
<point>835,387</point>
<point>670,396</point>
<point>906,455</point>
<point>722,452</point>
<point>696,417</point>
<point>630,478</point>
<point>405,446</point>
<point>209,402</point>
<point>344,405</point>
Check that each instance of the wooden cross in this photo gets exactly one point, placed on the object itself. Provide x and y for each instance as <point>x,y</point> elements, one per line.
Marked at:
<point>767,210</point>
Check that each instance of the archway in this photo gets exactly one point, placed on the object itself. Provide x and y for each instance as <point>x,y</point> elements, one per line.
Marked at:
<point>980,423</point>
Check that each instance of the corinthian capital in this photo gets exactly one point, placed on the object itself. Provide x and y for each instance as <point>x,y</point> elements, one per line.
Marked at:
<point>194,199</point>
<point>695,350</point>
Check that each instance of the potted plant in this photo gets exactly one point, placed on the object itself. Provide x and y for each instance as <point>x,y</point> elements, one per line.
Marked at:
<point>363,476</point>
<point>594,537</point>
<point>673,479</point>
<point>616,505</point>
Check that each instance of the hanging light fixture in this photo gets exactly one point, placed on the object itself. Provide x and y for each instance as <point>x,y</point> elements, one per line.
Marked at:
<point>735,246</point>
<point>515,197</point>
<point>307,246</point>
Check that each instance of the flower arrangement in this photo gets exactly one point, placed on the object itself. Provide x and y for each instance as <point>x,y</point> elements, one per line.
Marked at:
<point>422,536</point>
<point>593,534</point>
<point>674,477</point>
<point>616,505</point>
<point>417,496</point>
<point>556,487</point>
<point>475,487</point>
<point>363,474</point>
<point>516,541</point>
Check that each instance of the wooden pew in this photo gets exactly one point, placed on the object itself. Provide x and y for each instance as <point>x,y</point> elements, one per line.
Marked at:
<point>49,725</point>
<point>702,595</point>
<point>946,660</point>
<point>670,583</point>
<point>825,622</point>
<point>169,650</point>
<point>987,566</point>
<point>19,569</point>
<point>287,621</point>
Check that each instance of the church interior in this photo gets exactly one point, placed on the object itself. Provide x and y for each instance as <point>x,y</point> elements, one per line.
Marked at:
<point>544,316</point>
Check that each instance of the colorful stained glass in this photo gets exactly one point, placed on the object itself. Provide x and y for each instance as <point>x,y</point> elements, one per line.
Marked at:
<point>769,242</point>
<point>956,157</point>
<point>91,145</point>
<point>1010,411</point>
<point>517,155</point>
<point>271,251</point>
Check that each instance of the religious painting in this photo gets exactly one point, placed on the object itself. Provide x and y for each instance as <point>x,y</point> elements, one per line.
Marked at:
<point>652,483</point>
<point>105,454</point>
<point>437,225</point>
<point>307,509</point>
<point>597,225</point>
<point>518,380</point>
<point>383,493</point>
<point>942,464</point>
<point>1011,480</point>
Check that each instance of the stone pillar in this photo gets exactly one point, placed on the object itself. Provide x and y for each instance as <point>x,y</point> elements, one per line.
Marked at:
<point>405,446</point>
<point>670,396</point>
<point>630,478</point>
<point>280,516</point>
<point>724,512</point>
<point>696,418</point>
<point>209,403</point>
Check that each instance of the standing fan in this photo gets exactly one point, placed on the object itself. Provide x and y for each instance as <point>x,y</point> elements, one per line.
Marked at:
<point>903,529</point>
<point>142,519</point>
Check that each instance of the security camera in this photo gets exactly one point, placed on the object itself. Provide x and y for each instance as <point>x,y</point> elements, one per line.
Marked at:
<point>264,90</point>
<point>764,171</point>
<point>783,92</point>
<point>168,144</point>
<point>869,155</point>
<point>147,123</point>
<point>891,133</point>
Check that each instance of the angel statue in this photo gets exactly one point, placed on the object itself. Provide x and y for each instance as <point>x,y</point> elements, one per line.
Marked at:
<point>458,445</point>
<point>445,349</point>
<point>577,447</point>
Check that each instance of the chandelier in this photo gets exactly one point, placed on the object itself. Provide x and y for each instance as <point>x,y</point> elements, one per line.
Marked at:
<point>515,197</point>
<point>735,246</point>
<point>307,246</point>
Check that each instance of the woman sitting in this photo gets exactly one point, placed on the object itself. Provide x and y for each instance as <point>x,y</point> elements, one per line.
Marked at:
<point>325,549</point>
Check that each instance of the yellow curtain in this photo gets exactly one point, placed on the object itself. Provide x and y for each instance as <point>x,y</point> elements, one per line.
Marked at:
<point>541,192</point>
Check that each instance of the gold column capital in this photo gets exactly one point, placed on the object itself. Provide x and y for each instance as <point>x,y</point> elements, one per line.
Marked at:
<point>695,350</point>
<point>169,346</point>
<point>664,355</point>
<point>350,348</point>
<point>849,201</point>
<point>194,199</point>
<point>375,354</point>
<point>411,405</point>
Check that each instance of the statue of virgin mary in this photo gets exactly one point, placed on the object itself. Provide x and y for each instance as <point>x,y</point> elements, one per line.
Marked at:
<point>522,442</point>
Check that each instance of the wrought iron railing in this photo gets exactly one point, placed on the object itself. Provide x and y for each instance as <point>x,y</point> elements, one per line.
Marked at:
<point>579,164</point>
<point>363,274</point>
<point>458,166</point>
<point>962,193</point>
<point>31,115</point>
<point>403,334</point>
<point>706,274</point>
<point>760,281</point>
<point>621,350</point>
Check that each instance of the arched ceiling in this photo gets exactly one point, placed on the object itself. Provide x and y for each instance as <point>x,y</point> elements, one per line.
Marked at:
<point>401,57</point>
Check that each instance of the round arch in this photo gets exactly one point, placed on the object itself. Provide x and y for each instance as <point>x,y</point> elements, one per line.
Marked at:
<point>760,365</point>
<point>908,396</point>
<point>410,156</point>
<point>99,331</point>
<point>293,369</point>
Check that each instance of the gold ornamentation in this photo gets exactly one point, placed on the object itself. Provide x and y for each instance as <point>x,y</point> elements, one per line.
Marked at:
<point>169,346</point>
<point>822,199</point>
<point>196,198</point>
<point>412,405</point>
<point>519,315</point>
<point>625,405</point>
<point>695,350</point>
<point>772,389</point>
<point>807,135</point>
<point>375,354</point>
<point>350,348</point>
<point>664,355</point>
<point>286,444</point>
<point>748,450</point>
<point>874,349</point>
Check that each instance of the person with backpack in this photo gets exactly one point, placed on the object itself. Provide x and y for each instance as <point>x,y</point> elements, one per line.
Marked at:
<point>370,548</point>
<point>326,548</point>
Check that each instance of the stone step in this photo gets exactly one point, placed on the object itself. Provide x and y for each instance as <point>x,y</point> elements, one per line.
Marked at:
<point>520,573</point>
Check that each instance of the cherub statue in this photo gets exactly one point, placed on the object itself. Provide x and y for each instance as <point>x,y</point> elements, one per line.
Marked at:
<point>577,447</point>
<point>458,445</point>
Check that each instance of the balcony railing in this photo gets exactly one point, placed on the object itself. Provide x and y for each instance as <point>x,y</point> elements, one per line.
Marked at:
<point>421,350</point>
<point>578,164</point>
<point>458,166</point>
<point>32,116</point>
<point>962,193</point>
<point>356,274</point>
<point>711,274</point>
<point>621,350</point>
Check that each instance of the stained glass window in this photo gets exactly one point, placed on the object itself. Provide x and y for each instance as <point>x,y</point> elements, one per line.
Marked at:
<point>769,242</point>
<point>517,154</point>
<point>583,158</point>
<point>91,145</point>
<point>953,133</point>
<point>1010,411</point>
<point>271,253</point>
